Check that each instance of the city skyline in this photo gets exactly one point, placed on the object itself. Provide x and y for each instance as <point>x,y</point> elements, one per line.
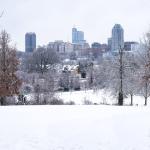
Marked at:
<point>56,19</point>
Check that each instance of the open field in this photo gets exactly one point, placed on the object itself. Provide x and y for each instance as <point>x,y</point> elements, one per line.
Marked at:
<point>75,127</point>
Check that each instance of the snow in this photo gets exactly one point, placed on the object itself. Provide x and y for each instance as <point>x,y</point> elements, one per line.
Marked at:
<point>77,127</point>
<point>98,97</point>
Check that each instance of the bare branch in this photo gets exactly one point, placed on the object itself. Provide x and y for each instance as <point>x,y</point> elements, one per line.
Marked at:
<point>2,14</point>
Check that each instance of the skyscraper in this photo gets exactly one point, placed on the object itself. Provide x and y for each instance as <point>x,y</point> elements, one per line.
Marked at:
<point>77,36</point>
<point>30,42</point>
<point>109,44</point>
<point>117,38</point>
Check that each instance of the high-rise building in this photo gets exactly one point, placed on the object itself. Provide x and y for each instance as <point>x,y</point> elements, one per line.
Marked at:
<point>109,44</point>
<point>30,42</point>
<point>117,38</point>
<point>77,36</point>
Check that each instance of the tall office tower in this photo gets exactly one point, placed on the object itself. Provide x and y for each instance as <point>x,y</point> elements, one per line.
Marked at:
<point>117,38</point>
<point>74,35</point>
<point>30,42</point>
<point>77,36</point>
<point>109,44</point>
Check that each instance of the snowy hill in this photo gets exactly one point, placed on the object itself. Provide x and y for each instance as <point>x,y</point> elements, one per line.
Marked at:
<point>74,128</point>
<point>98,97</point>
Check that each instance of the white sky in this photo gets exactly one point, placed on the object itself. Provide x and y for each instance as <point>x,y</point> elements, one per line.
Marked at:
<point>53,19</point>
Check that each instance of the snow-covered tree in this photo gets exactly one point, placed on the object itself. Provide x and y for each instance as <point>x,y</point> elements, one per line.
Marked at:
<point>113,76</point>
<point>118,75</point>
<point>144,65</point>
<point>64,80</point>
<point>131,75</point>
<point>101,74</point>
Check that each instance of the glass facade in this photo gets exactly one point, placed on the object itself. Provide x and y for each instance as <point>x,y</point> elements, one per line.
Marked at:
<point>117,38</point>
<point>77,36</point>
<point>30,42</point>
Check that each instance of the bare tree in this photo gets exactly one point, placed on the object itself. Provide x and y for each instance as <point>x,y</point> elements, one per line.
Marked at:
<point>64,80</point>
<point>40,60</point>
<point>144,64</point>
<point>9,82</point>
<point>1,14</point>
<point>131,75</point>
<point>121,69</point>
<point>112,75</point>
<point>44,87</point>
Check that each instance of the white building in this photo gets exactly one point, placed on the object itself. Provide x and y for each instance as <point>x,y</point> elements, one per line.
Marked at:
<point>80,48</point>
<point>61,47</point>
<point>135,47</point>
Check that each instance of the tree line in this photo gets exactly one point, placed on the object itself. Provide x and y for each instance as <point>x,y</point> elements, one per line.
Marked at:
<point>40,74</point>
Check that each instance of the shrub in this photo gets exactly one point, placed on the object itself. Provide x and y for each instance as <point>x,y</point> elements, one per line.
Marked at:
<point>56,101</point>
<point>87,102</point>
<point>70,103</point>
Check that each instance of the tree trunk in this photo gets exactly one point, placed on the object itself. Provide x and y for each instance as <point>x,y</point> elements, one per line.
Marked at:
<point>146,92</point>
<point>120,99</point>
<point>131,99</point>
<point>2,101</point>
<point>145,101</point>
<point>37,99</point>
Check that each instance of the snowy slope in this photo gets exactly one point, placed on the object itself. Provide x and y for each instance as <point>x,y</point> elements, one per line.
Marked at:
<point>99,96</point>
<point>74,128</point>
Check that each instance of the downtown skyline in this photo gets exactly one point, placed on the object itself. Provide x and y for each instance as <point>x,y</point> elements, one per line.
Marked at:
<point>56,19</point>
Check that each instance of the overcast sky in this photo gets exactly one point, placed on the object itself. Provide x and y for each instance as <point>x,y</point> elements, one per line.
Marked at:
<point>53,19</point>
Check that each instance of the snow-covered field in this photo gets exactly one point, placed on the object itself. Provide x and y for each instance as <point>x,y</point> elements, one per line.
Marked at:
<point>98,97</point>
<point>78,127</point>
